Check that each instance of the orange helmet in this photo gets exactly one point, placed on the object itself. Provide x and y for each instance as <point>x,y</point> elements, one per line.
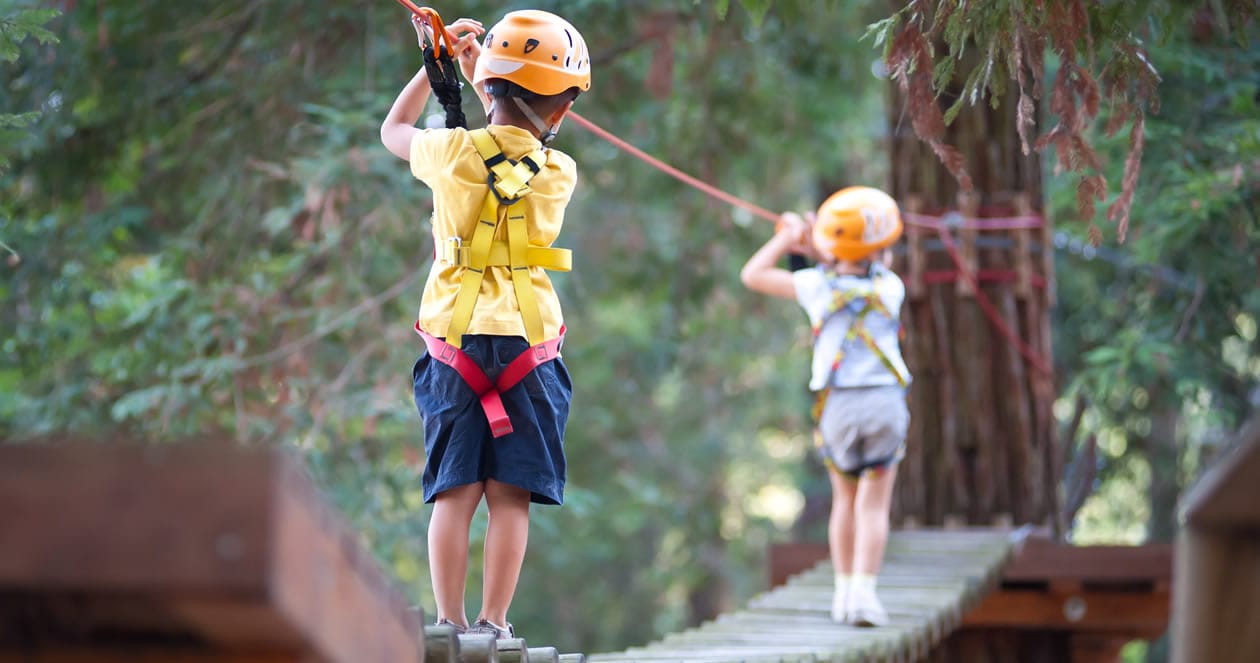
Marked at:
<point>536,50</point>
<point>856,222</point>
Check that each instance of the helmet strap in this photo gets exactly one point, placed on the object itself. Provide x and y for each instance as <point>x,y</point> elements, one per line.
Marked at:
<point>546,132</point>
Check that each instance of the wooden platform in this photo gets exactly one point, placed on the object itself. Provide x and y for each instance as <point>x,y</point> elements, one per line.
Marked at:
<point>185,553</point>
<point>930,580</point>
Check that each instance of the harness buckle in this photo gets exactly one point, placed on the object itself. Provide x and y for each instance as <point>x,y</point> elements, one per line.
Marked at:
<point>450,250</point>
<point>506,202</point>
<point>542,352</point>
<point>447,353</point>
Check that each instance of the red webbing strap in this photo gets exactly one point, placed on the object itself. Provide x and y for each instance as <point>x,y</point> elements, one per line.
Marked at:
<point>532,358</point>
<point>674,172</point>
<point>491,393</point>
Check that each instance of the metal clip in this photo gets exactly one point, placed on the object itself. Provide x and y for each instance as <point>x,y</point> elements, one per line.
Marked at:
<point>451,247</point>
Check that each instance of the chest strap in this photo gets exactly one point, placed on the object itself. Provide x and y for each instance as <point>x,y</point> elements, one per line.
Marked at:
<point>454,252</point>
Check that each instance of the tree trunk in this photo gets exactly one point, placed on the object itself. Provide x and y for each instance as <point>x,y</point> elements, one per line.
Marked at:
<point>1162,454</point>
<point>982,445</point>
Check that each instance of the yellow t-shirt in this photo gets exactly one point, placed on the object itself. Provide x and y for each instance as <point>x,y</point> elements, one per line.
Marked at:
<point>447,161</point>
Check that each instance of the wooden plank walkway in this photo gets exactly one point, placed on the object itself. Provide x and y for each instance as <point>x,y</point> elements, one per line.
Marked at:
<point>213,553</point>
<point>930,579</point>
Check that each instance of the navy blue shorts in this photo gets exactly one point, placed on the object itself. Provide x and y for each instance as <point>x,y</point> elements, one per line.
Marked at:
<point>458,445</point>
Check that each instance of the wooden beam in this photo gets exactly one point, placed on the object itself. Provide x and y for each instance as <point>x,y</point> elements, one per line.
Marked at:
<point>1218,597</point>
<point>788,559</point>
<point>149,655</point>
<point>1043,560</point>
<point>209,547</point>
<point>1139,615</point>
<point>1228,494</point>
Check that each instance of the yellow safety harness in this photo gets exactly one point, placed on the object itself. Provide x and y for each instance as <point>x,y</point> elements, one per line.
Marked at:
<point>508,182</point>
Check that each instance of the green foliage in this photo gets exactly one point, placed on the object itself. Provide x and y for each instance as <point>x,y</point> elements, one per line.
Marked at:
<point>1167,337</point>
<point>213,239</point>
<point>1101,53</point>
<point>17,24</point>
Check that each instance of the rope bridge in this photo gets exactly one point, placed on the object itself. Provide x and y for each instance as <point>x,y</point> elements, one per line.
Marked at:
<point>929,580</point>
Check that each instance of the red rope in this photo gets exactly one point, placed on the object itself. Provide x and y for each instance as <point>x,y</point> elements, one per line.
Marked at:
<point>1019,222</point>
<point>674,172</point>
<point>1037,361</point>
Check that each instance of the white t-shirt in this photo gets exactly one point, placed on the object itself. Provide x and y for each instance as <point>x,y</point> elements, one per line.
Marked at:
<point>861,367</point>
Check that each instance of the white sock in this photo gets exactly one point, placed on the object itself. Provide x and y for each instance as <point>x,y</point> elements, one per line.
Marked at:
<point>843,582</point>
<point>862,581</point>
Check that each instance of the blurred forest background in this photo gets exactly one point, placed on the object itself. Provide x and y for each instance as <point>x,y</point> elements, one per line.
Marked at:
<point>200,232</point>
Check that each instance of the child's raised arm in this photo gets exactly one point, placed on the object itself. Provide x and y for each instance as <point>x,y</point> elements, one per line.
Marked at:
<point>400,124</point>
<point>760,273</point>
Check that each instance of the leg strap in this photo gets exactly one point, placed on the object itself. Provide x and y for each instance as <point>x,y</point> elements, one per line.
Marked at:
<point>491,393</point>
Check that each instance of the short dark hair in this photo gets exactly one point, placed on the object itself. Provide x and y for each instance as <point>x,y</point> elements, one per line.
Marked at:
<point>543,104</point>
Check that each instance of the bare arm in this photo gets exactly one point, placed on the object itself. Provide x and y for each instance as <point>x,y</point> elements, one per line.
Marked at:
<point>469,50</point>
<point>400,124</point>
<point>760,273</point>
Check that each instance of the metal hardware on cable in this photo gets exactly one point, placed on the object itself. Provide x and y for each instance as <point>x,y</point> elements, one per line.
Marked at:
<point>439,65</point>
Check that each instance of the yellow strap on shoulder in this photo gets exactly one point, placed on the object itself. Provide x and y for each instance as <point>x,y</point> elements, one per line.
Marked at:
<point>474,272</point>
<point>526,298</point>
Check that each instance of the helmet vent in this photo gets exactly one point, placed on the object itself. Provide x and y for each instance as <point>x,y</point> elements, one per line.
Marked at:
<point>531,45</point>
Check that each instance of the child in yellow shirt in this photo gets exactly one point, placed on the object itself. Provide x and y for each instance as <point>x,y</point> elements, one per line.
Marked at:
<point>491,387</point>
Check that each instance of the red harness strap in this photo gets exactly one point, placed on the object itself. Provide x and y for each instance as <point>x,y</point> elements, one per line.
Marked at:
<point>491,392</point>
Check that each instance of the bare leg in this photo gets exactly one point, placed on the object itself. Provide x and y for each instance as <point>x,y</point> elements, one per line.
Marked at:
<point>840,540</point>
<point>506,538</point>
<point>448,549</point>
<point>874,499</point>
<point>840,526</point>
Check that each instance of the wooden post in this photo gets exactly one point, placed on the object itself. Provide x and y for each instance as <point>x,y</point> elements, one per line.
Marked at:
<point>185,553</point>
<point>478,648</point>
<point>1023,249</point>
<point>969,207</point>
<point>441,645</point>
<point>916,258</point>
<point>1217,572</point>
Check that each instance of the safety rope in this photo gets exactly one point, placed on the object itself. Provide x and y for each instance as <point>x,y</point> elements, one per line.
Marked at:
<point>674,172</point>
<point>995,223</point>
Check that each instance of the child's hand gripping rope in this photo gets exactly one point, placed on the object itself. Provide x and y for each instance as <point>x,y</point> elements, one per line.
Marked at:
<point>440,43</point>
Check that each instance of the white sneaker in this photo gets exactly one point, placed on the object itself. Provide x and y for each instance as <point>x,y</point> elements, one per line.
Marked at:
<point>839,607</point>
<point>865,609</point>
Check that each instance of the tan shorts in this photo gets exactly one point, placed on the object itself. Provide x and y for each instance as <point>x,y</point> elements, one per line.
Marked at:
<point>863,428</point>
